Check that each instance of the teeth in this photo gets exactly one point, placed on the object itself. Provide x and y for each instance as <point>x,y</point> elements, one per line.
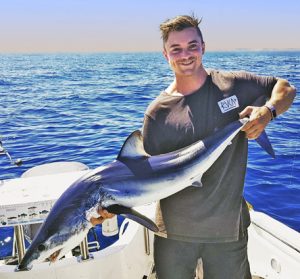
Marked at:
<point>187,63</point>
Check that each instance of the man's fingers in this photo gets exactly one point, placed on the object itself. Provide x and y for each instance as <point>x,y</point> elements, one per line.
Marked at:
<point>97,221</point>
<point>259,118</point>
<point>250,126</point>
<point>246,112</point>
<point>252,130</point>
<point>102,215</point>
<point>105,214</point>
<point>247,126</point>
<point>253,134</point>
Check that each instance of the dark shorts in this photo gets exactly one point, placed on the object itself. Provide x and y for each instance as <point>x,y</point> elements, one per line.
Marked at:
<point>178,260</point>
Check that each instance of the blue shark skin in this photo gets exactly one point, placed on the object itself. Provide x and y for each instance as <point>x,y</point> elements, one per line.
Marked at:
<point>134,179</point>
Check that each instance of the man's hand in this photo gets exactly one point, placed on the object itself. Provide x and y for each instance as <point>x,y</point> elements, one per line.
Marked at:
<point>104,214</point>
<point>259,118</point>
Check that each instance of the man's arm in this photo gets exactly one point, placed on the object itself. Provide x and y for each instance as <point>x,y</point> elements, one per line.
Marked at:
<point>282,98</point>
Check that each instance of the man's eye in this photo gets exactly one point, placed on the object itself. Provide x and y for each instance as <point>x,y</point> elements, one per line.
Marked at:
<point>193,47</point>
<point>176,50</point>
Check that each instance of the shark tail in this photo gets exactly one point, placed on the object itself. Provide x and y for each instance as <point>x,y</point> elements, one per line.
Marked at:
<point>262,140</point>
<point>265,143</point>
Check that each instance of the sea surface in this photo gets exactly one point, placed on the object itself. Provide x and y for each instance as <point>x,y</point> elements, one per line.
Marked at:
<point>81,107</point>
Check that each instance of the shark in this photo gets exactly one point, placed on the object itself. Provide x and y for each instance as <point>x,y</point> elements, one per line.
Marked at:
<point>135,178</point>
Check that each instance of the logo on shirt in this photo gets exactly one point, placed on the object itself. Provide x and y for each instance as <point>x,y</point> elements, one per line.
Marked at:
<point>228,104</point>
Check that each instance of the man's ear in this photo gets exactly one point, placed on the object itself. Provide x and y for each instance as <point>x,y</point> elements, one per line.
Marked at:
<point>165,54</point>
<point>203,48</point>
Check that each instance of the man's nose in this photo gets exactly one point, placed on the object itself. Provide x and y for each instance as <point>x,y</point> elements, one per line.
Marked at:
<point>185,54</point>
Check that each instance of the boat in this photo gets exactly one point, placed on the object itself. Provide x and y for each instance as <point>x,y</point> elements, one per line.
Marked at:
<point>274,248</point>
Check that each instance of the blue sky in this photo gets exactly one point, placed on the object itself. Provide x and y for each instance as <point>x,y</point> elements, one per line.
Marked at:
<point>133,25</point>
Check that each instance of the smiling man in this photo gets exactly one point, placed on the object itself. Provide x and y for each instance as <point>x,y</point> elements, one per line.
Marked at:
<point>208,222</point>
<point>184,50</point>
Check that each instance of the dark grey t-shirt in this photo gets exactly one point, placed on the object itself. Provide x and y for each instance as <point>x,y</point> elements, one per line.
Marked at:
<point>215,212</point>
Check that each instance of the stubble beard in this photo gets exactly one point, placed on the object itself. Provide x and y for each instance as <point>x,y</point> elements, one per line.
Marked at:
<point>187,67</point>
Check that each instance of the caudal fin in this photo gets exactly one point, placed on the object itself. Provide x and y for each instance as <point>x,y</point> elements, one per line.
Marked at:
<point>265,143</point>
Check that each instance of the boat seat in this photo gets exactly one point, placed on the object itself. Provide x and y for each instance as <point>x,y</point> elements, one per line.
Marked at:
<point>54,168</point>
<point>47,169</point>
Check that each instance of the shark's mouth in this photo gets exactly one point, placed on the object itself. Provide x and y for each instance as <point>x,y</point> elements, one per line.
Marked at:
<point>53,257</point>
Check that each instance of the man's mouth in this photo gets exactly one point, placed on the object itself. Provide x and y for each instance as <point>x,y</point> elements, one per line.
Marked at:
<point>187,63</point>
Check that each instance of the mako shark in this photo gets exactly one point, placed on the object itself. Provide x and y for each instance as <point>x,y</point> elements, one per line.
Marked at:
<point>134,179</point>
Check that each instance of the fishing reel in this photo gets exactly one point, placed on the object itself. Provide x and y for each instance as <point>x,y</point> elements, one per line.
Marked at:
<point>4,152</point>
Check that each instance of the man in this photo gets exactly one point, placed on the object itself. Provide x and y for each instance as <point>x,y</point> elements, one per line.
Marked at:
<point>208,222</point>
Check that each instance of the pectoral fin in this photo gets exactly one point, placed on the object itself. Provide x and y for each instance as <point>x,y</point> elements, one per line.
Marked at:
<point>196,181</point>
<point>197,184</point>
<point>133,215</point>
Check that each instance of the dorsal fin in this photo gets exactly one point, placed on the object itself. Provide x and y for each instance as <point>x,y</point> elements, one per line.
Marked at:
<point>133,147</point>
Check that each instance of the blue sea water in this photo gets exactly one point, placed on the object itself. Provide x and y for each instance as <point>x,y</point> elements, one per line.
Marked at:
<point>81,107</point>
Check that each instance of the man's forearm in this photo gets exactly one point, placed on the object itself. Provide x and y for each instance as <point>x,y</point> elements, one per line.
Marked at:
<point>282,96</point>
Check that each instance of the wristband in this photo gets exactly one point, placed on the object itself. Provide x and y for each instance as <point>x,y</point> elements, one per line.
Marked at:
<point>272,110</point>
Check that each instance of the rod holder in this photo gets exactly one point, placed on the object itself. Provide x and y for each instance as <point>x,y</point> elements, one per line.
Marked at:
<point>84,250</point>
<point>20,243</point>
<point>147,241</point>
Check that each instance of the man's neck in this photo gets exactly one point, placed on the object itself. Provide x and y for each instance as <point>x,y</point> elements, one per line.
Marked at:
<point>186,85</point>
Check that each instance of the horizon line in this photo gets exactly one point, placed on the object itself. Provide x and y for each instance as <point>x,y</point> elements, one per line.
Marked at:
<point>146,51</point>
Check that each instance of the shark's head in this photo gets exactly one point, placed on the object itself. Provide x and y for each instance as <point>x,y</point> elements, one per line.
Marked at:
<point>31,256</point>
<point>66,224</point>
<point>53,241</point>
<point>41,249</point>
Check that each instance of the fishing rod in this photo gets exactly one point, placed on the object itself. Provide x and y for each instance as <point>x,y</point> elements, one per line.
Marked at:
<point>3,151</point>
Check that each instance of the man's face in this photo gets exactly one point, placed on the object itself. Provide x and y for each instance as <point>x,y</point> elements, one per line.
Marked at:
<point>184,50</point>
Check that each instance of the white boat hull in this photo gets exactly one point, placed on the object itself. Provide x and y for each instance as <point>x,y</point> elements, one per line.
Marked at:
<point>274,249</point>
<point>127,258</point>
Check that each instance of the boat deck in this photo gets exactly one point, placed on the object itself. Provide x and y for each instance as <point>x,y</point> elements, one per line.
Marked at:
<point>153,276</point>
<point>200,276</point>
<point>199,273</point>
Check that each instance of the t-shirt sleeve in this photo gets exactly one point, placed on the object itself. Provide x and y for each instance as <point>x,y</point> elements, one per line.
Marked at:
<point>255,84</point>
<point>253,90</point>
<point>151,136</point>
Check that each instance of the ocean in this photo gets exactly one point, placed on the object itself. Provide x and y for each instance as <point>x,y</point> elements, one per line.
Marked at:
<point>81,107</point>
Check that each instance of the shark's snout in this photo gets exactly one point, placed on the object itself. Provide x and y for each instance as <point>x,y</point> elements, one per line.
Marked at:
<point>22,267</point>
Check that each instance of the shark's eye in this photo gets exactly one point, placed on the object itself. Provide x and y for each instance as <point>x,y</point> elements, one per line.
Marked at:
<point>41,247</point>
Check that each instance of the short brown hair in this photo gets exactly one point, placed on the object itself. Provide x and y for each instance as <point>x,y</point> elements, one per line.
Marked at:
<point>179,23</point>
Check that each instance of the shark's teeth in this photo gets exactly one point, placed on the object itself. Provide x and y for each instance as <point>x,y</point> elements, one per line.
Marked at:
<point>54,256</point>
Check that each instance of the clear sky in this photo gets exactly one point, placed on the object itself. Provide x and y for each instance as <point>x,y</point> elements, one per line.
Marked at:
<point>133,25</point>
